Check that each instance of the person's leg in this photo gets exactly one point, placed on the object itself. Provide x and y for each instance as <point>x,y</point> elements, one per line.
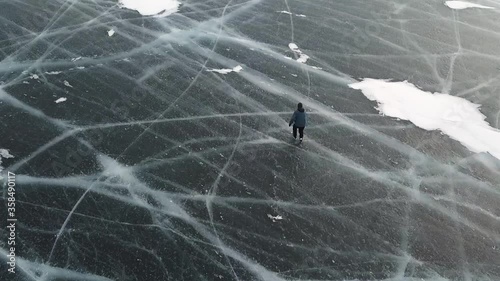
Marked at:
<point>294,131</point>
<point>301,132</point>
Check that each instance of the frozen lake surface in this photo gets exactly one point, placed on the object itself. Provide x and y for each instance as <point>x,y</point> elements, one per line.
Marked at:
<point>150,139</point>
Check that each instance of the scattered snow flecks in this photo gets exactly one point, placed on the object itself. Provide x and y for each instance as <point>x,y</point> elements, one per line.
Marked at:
<point>274,218</point>
<point>302,57</point>
<point>111,32</point>
<point>75,59</point>
<point>227,70</point>
<point>160,8</point>
<point>59,100</point>
<point>456,117</point>
<point>460,5</point>
<point>4,153</point>
<point>67,84</point>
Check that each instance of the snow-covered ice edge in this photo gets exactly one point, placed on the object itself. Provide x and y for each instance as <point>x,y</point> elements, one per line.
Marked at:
<point>456,117</point>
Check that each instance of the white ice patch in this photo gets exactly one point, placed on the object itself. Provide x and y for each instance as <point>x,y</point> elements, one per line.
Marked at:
<point>4,153</point>
<point>460,5</point>
<point>227,70</point>
<point>59,100</point>
<point>302,57</point>
<point>111,32</point>
<point>67,84</point>
<point>274,218</point>
<point>160,8</point>
<point>456,117</point>
<point>53,72</point>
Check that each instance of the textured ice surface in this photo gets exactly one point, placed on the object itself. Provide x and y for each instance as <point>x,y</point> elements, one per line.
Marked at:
<point>157,169</point>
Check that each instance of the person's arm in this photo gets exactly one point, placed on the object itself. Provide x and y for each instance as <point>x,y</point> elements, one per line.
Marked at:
<point>292,120</point>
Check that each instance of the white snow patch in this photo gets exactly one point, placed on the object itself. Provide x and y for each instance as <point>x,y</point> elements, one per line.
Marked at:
<point>53,72</point>
<point>456,117</point>
<point>274,218</point>
<point>293,47</point>
<point>227,70</point>
<point>288,13</point>
<point>302,57</point>
<point>460,5</point>
<point>66,83</point>
<point>288,58</point>
<point>294,75</point>
<point>59,100</point>
<point>111,32</point>
<point>4,153</point>
<point>26,82</point>
<point>160,8</point>
<point>80,67</point>
<point>75,59</point>
<point>315,67</point>
<point>34,76</point>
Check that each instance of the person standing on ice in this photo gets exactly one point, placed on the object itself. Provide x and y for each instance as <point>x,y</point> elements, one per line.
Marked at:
<point>298,121</point>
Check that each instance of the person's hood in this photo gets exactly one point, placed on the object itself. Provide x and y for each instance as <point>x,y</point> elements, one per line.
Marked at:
<point>301,109</point>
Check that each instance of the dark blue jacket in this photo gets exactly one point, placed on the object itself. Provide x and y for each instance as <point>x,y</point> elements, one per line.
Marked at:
<point>298,118</point>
